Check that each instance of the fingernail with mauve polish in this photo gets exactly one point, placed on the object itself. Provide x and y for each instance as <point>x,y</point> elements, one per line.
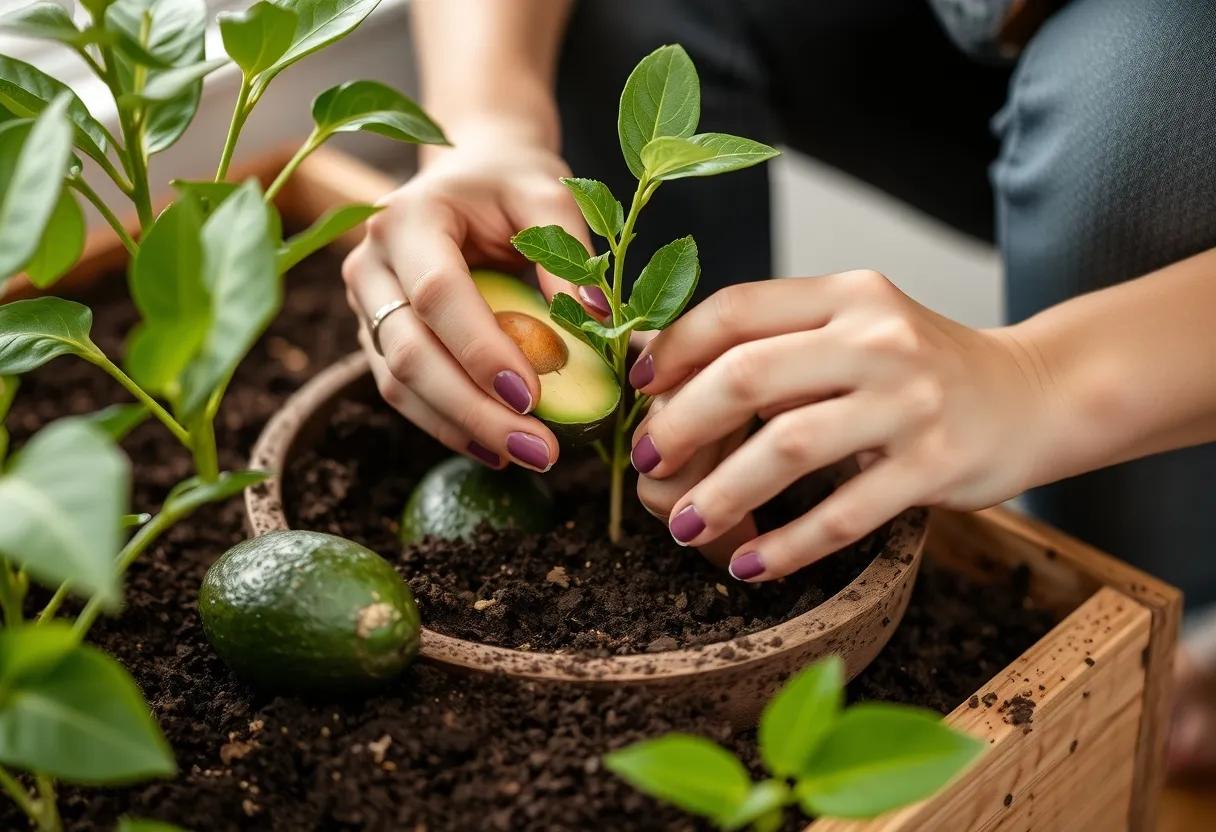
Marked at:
<point>513,391</point>
<point>746,566</point>
<point>687,524</point>
<point>594,297</point>
<point>642,372</point>
<point>528,449</point>
<point>484,454</point>
<point>645,456</point>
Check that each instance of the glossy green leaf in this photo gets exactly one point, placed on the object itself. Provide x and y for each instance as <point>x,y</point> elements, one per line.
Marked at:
<point>176,38</point>
<point>555,250</point>
<point>32,332</point>
<point>667,154</point>
<point>172,83</point>
<point>611,333</point>
<point>62,243</point>
<point>190,495</point>
<point>166,279</point>
<point>64,495</point>
<point>243,287</point>
<point>690,772</point>
<point>662,97</point>
<point>137,825</point>
<point>321,233</point>
<point>118,420</point>
<point>25,91</point>
<point>765,799</point>
<point>372,107</point>
<point>666,285</point>
<point>798,717</point>
<point>319,23</point>
<point>83,721</point>
<point>32,650</point>
<point>603,212</point>
<point>33,160</point>
<point>725,153</point>
<point>570,315</point>
<point>48,21</point>
<point>878,757</point>
<point>8,392</point>
<point>258,36</point>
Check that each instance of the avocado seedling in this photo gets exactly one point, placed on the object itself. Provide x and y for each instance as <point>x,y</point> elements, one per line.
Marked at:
<point>206,277</point>
<point>660,109</point>
<point>829,760</point>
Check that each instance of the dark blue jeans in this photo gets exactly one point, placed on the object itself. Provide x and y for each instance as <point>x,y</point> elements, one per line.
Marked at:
<point>1100,166</point>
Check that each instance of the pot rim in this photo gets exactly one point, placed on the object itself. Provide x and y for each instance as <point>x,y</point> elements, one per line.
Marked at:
<point>882,578</point>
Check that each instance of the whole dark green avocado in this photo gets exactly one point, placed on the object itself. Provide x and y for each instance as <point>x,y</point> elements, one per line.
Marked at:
<point>456,496</point>
<point>309,613</point>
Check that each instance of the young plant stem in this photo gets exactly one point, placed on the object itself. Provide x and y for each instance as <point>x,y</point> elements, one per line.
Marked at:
<point>48,806</point>
<point>206,460</point>
<point>132,152</point>
<point>239,114</point>
<point>181,434</point>
<point>315,140</point>
<point>11,597</point>
<point>53,605</point>
<point>82,187</point>
<point>19,795</point>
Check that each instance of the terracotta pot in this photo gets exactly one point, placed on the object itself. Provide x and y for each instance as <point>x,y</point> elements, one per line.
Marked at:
<point>740,674</point>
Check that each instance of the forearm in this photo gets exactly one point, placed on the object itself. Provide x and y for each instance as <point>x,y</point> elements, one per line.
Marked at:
<point>491,62</point>
<point>1127,371</point>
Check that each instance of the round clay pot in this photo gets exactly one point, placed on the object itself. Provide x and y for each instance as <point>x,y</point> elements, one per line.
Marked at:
<point>739,675</point>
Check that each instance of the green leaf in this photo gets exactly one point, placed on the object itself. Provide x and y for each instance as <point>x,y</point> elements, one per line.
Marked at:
<point>661,98</point>
<point>321,233</point>
<point>189,495</point>
<point>48,21</point>
<point>603,212</point>
<point>171,83</point>
<point>83,721</point>
<point>878,757</point>
<point>318,24</point>
<point>243,287</point>
<point>175,38</point>
<point>800,715</point>
<point>137,825</point>
<point>372,107</point>
<point>64,495</point>
<point>726,153</point>
<point>62,243</point>
<point>32,332</point>
<point>26,91</point>
<point>258,36</point>
<point>570,315</point>
<point>765,798</point>
<point>666,285</point>
<point>555,250</point>
<point>666,154</point>
<point>690,772</point>
<point>118,420</point>
<point>166,280</point>
<point>32,650</point>
<point>209,194</point>
<point>33,160</point>
<point>611,333</point>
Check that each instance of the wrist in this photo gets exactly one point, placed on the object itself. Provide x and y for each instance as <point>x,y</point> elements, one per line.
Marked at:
<point>526,116</point>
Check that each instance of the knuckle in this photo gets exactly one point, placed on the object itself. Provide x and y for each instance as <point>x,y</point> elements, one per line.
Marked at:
<point>925,398</point>
<point>430,292</point>
<point>391,391</point>
<point>730,306</point>
<point>379,225</point>
<point>871,284</point>
<point>742,372</point>
<point>893,335</point>
<point>403,358</point>
<point>841,526</point>
<point>789,439</point>
<point>477,354</point>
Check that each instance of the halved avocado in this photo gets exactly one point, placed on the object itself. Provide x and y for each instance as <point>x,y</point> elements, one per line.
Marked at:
<point>578,390</point>
<point>458,495</point>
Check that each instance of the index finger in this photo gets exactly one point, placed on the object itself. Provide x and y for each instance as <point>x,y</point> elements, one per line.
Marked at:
<point>421,244</point>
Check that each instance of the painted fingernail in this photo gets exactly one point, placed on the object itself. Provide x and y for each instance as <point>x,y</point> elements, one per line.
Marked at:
<point>594,297</point>
<point>484,454</point>
<point>687,524</point>
<point>513,391</point>
<point>528,449</point>
<point>645,455</point>
<point>642,372</point>
<point>746,566</point>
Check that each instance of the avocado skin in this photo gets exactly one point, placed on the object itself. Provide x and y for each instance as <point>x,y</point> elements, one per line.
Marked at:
<point>456,496</point>
<point>575,435</point>
<point>302,612</point>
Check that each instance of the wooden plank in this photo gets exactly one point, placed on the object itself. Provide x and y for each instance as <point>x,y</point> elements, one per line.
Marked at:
<point>1063,569</point>
<point>1083,672</point>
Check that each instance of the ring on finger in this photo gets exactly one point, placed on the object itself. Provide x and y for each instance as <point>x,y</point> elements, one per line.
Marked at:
<point>378,318</point>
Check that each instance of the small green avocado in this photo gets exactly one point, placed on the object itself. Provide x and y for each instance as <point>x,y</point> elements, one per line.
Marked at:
<point>457,495</point>
<point>578,390</point>
<point>308,613</point>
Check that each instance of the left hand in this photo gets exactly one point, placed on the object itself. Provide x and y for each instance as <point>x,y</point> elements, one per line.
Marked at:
<point>842,365</point>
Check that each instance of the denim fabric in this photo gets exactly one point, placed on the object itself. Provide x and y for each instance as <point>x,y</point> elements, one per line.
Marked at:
<point>1103,167</point>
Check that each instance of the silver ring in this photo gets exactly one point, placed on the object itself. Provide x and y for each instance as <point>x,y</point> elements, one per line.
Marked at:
<point>373,326</point>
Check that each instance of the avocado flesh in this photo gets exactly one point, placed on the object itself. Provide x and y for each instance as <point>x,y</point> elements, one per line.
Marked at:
<point>302,612</point>
<point>457,496</point>
<point>576,401</point>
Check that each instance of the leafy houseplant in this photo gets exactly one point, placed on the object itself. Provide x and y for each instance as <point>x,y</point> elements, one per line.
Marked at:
<point>659,112</point>
<point>854,762</point>
<point>206,277</point>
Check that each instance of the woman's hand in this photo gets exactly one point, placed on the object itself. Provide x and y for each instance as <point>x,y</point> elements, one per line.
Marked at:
<point>443,361</point>
<point>940,414</point>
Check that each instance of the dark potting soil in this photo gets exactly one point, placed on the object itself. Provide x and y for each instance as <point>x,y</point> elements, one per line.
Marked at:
<point>434,752</point>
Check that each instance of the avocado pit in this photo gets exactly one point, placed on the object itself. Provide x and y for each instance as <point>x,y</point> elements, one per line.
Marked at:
<point>540,344</point>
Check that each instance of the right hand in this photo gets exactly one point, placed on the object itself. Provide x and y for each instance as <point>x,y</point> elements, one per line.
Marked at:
<point>446,365</point>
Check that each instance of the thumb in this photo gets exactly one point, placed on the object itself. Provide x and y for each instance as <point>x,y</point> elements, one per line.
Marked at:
<point>564,212</point>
